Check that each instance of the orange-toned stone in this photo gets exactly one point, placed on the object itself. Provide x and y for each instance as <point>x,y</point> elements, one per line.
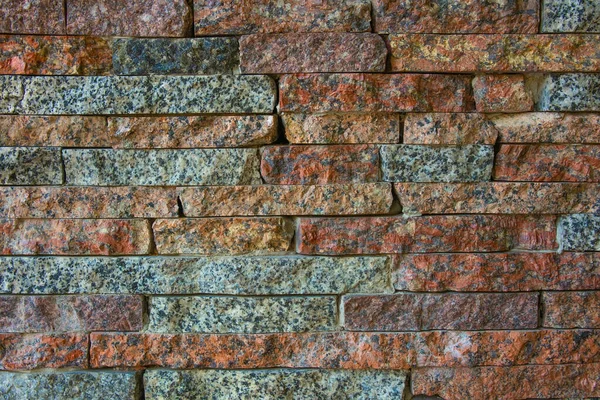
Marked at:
<point>40,17</point>
<point>571,309</point>
<point>448,129</point>
<point>33,351</point>
<point>74,236</point>
<point>501,94</point>
<point>54,55</point>
<point>554,163</point>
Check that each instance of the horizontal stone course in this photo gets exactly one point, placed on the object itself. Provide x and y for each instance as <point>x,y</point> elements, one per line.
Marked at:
<point>579,232</point>
<point>30,166</point>
<point>242,314</point>
<point>567,92</point>
<point>274,384</point>
<point>570,16</point>
<point>43,350</point>
<point>448,129</point>
<point>247,275</point>
<point>45,17</point>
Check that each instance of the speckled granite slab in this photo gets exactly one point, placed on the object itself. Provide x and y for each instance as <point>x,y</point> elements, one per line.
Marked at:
<point>571,16</point>
<point>579,232</point>
<point>569,92</point>
<point>30,166</point>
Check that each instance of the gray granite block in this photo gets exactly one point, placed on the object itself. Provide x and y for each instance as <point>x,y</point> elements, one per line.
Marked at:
<point>30,166</point>
<point>569,92</point>
<point>571,16</point>
<point>579,232</point>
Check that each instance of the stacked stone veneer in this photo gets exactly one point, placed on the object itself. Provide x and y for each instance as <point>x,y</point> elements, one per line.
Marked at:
<point>319,199</point>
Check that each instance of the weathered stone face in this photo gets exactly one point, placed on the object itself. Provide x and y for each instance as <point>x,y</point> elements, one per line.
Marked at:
<point>571,309</point>
<point>46,17</point>
<point>30,166</point>
<point>568,92</point>
<point>579,232</point>
<point>43,350</point>
<point>448,129</point>
<point>502,94</point>
<point>570,16</point>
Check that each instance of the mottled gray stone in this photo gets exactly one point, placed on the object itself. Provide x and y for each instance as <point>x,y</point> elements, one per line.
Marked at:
<point>423,163</point>
<point>186,275</point>
<point>579,232</point>
<point>162,167</point>
<point>224,314</point>
<point>569,92</point>
<point>52,95</point>
<point>30,166</point>
<point>216,55</point>
<point>69,386</point>
<point>571,16</point>
<point>274,384</point>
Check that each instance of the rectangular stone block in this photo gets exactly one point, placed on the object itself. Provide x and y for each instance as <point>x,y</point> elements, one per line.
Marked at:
<point>74,236</point>
<point>455,16</point>
<point>570,16</point>
<point>209,314</point>
<point>312,52</point>
<point>232,17</point>
<point>222,236</point>
<point>54,55</point>
<point>375,93</point>
<point>319,165</point>
<point>571,309</point>
<point>274,384</point>
<point>38,17</point>
<point>445,233</point>
<point>496,272</point>
<point>427,163</point>
<point>60,131</point>
<point>246,275</point>
<point>568,92</point>
<point>229,201</point>
<point>502,94</point>
<point>579,232</point>
<point>449,311</point>
<point>30,166</point>
<point>334,128</point>
<point>161,167</point>
<point>495,53</point>
<point>498,198</point>
<point>88,202</point>
<point>202,56</point>
<point>74,385</point>
<point>101,95</point>
<point>70,313</point>
<point>534,381</point>
<point>171,18</point>
<point>192,131</point>
<point>550,163</point>
<point>43,350</point>
<point>329,350</point>
<point>448,129</point>
<point>545,127</point>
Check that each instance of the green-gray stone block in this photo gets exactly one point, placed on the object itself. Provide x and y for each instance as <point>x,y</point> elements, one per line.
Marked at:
<point>569,92</point>
<point>30,166</point>
<point>579,232</point>
<point>571,16</point>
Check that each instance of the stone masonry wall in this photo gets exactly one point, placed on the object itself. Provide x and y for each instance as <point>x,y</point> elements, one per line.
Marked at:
<point>316,199</point>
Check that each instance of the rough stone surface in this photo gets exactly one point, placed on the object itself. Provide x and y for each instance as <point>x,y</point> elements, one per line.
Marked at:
<point>54,55</point>
<point>470,233</point>
<point>569,92</point>
<point>161,167</point>
<point>312,52</point>
<point>228,201</point>
<point>56,95</point>
<point>375,93</point>
<point>511,383</point>
<point>451,311</point>
<point>246,275</point>
<point>570,16</point>
<point>275,384</point>
<point>43,350</point>
<point>498,198</point>
<point>88,202</point>
<point>456,16</point>
<point>319,165</point>
<point>69,385</point>
<point>70,313</point>
<point>42,17</point>
<point>495,53</point>
<point>171,18</point>
<point>222,236</point>
<point>62,131</point>
<point>571,309</point>
<point>424,163</point>
<point>209,56</point>
<point>497,272</point>
<point>232,17</point>
<point>547,128</point>
<point>192,131</point>
<point>74,236</point>
<point>579,232</point>
<point>502,93</point>
<point>341,128</point>
<point>242,314</point>
<point>448,129</point>
<point>30,166</point>
<point>553,163</point>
